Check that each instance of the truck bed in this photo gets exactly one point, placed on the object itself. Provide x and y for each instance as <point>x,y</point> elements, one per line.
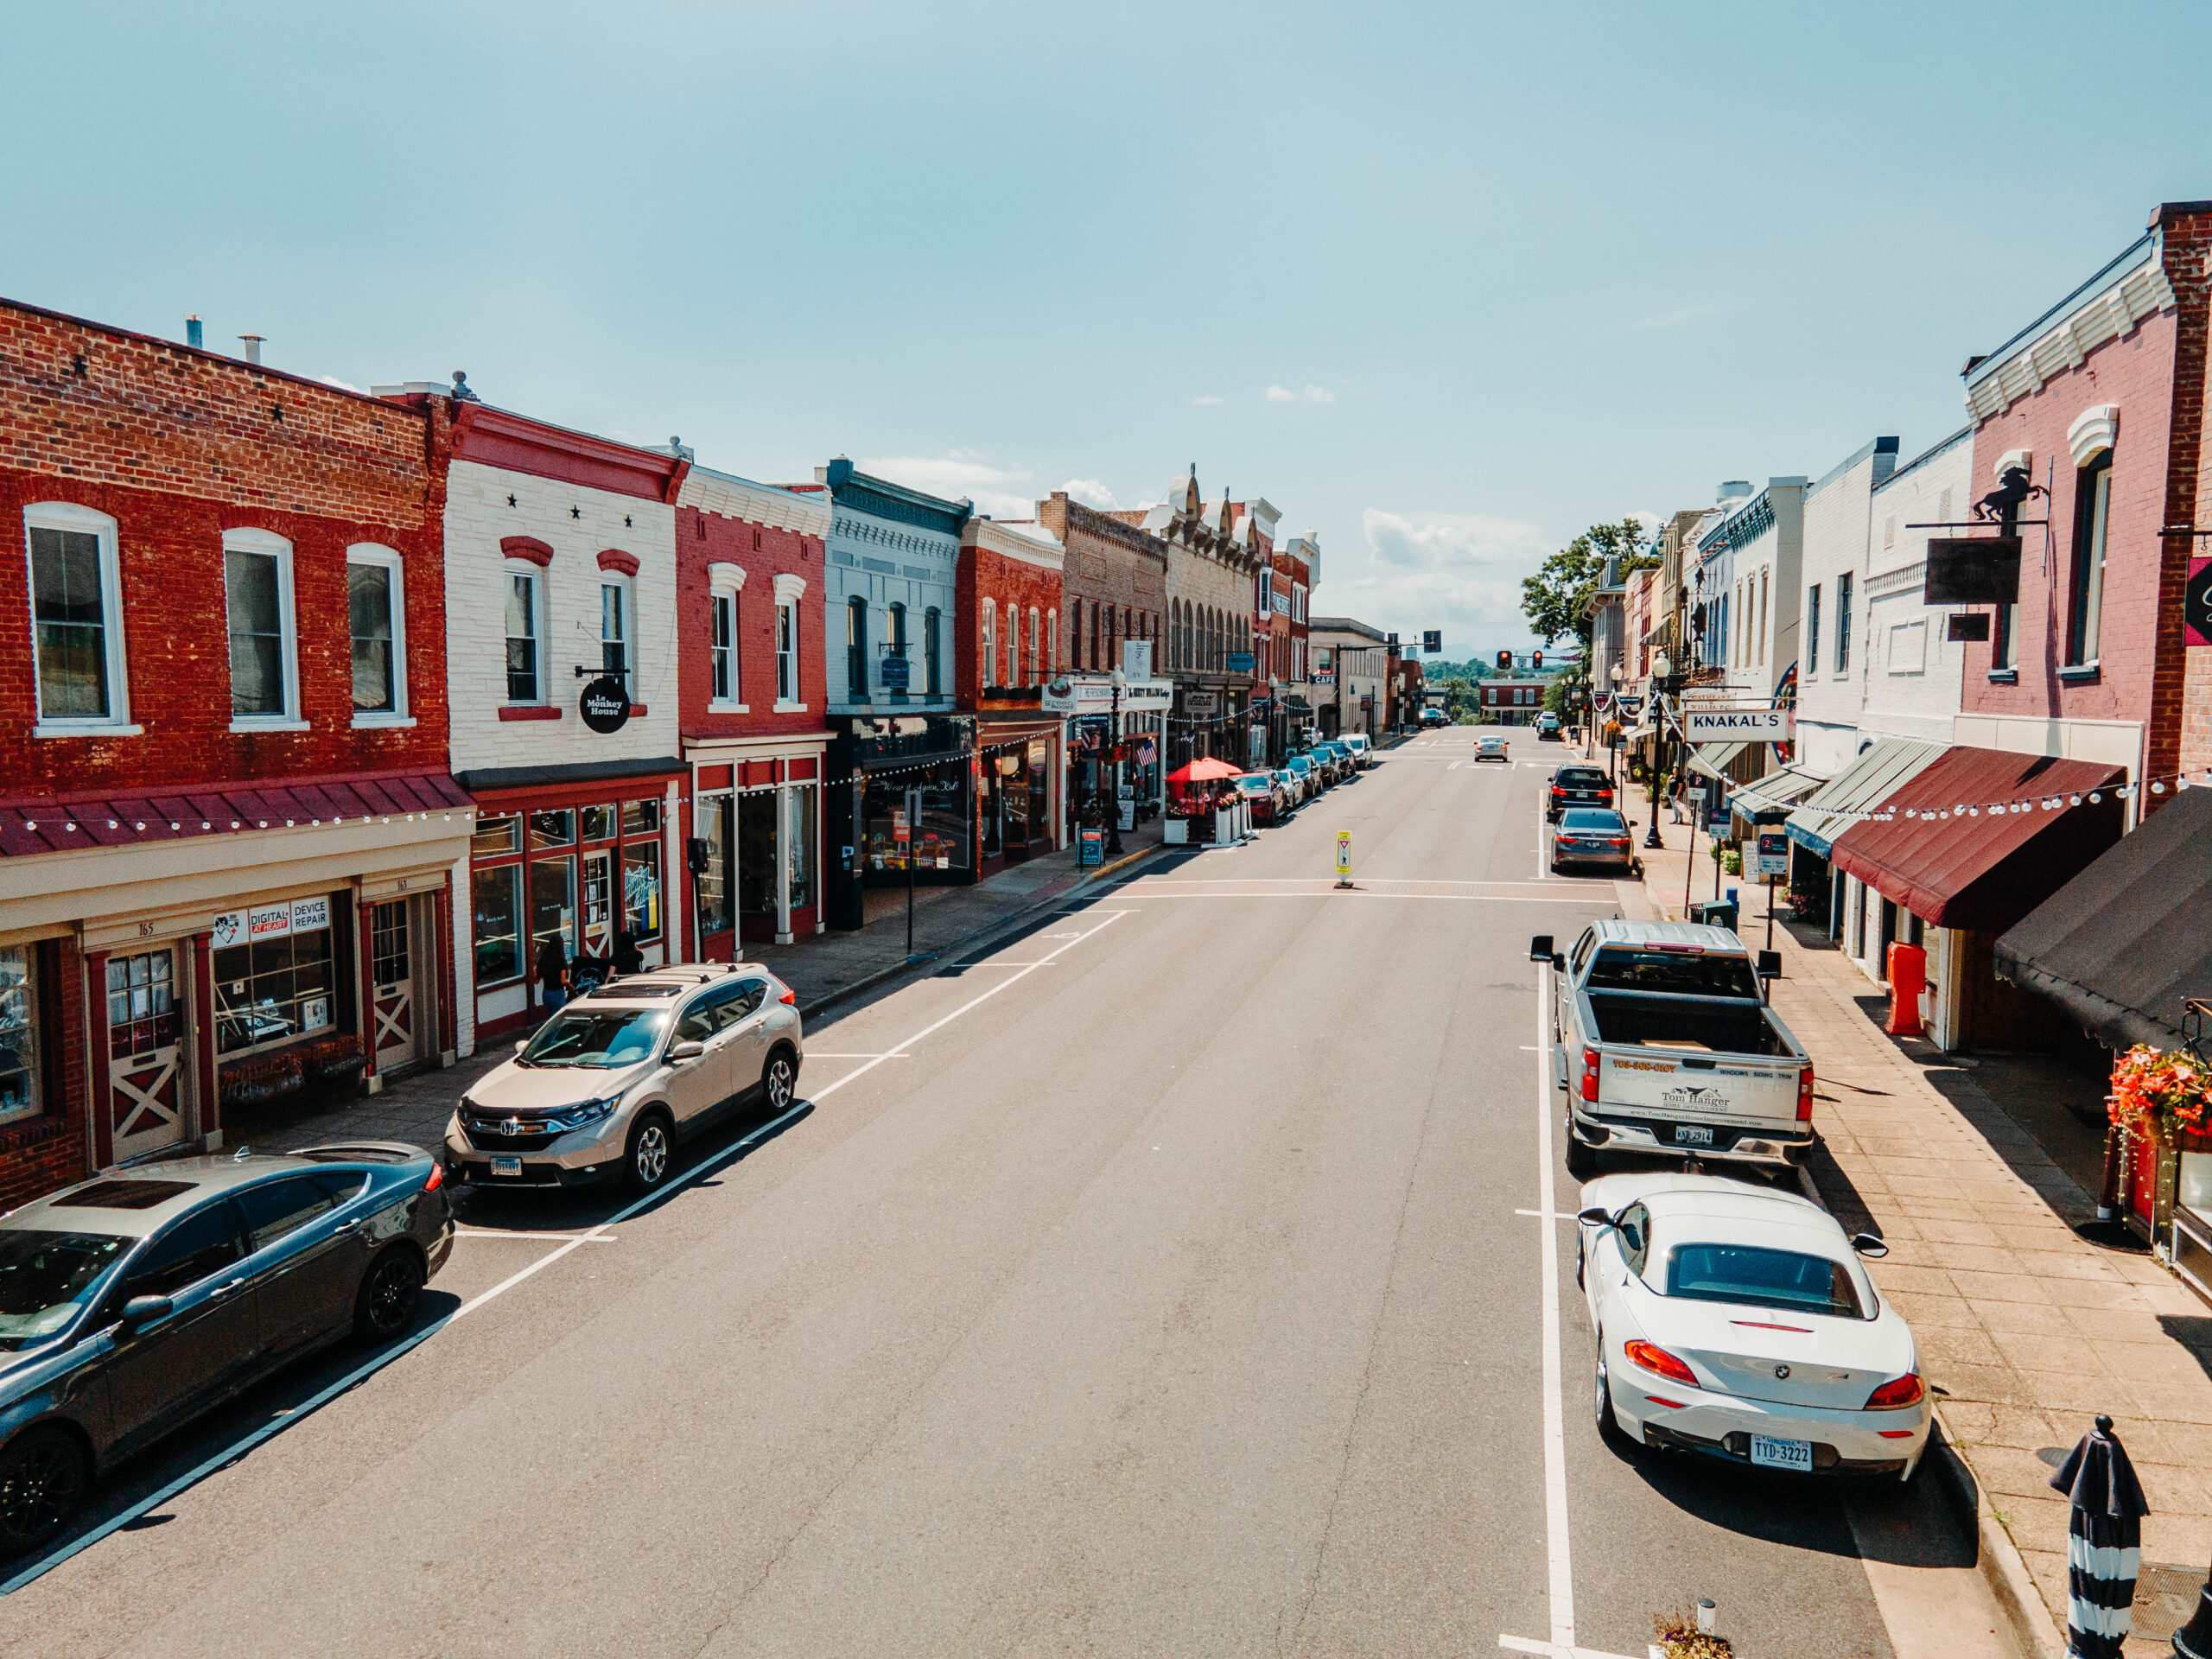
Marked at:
<point>1723,1025</point>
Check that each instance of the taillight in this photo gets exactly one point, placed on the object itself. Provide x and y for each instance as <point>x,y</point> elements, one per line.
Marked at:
<point>1897,1393</point>
<point>790,998</point>
<point>1589,1074</point>
<point>437,1176</point>
<point>1805,1095</point>
<point>1659,1361</point>
<point>1617,841</point>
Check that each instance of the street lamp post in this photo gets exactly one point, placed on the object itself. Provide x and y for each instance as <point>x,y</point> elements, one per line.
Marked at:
<point>1660,669</point>
<point>1112,771</point>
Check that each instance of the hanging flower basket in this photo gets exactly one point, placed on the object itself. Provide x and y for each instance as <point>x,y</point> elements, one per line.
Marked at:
<point>2160,1095</point>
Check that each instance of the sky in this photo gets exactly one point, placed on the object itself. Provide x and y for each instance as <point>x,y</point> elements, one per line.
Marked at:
<point>1444,284</point>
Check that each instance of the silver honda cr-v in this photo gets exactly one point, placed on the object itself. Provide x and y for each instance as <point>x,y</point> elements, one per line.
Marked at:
<point>613,1081</point>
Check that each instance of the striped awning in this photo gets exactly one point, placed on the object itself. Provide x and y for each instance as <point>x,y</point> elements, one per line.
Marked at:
<point>1712,758</point>
<point>1858,789</point>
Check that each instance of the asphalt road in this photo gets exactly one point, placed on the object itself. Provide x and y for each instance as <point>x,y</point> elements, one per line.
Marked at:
<point>1181,1293</point>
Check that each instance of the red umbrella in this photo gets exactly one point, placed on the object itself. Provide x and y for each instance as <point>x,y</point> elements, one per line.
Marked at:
<point>1204,771</point>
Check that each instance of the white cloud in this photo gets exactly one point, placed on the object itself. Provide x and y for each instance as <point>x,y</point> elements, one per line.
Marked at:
<point>1091,493</point>
<point>994,490</point>
<point>1305,395</point>
<point>1206,400</point>
<point>342,386</point>
<point>1677,318</point>
<point>1458,572</point>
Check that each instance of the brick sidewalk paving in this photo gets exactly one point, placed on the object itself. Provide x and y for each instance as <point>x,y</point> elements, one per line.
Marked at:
<point>2027,1329</point>
<point>826,969</point>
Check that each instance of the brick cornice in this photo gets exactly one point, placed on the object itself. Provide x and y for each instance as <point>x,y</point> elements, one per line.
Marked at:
<point>614,558</point>
<point>526,547</point>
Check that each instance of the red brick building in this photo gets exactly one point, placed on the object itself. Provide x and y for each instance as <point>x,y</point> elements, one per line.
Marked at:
<point>1007,598</point>
<point>750,696</point>
<point>226,825</point>
<point>2100,402</point>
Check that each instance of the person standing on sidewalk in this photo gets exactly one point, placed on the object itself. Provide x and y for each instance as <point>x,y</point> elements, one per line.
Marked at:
<point>1675,796</point>
<point>553,973</point>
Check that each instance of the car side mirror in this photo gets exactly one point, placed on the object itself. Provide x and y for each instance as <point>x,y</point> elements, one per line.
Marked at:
<point>144,1310</point>
<point>1596,1215</point>
<point>1769,964</point>
<point>1867,1244</point>
<point>522,1044</point>
<point>685,1050</point>
<point>1540,948</point>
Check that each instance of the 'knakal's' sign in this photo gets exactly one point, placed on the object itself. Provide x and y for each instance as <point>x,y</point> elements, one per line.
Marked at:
<point>1739,725</point>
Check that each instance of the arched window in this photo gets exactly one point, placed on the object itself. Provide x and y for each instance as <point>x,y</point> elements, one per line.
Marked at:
<point>1031,677</point>
<point>857,648</point>
<point>898,646</point>
<point>932,685</point>
<point>1052,646</point>
<point>986,645</point>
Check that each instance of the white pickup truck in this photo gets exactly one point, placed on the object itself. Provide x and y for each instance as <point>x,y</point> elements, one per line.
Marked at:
<point>1664,1044</point>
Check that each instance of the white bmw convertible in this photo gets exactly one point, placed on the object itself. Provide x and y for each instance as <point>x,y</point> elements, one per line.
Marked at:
<point>1737,1321</point>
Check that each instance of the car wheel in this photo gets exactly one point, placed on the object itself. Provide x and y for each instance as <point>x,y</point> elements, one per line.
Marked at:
<point>1582,1158</point>
<point>385,1306</point>
<point>645,1162</point>
<point>779,1082</point>
<point>1608,1426</point>
<point>43,1477</point>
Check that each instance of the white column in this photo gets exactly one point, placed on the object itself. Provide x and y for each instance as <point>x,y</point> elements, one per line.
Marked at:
<point>784,934</point>
<point>464,963</point>
<point>673,875</point>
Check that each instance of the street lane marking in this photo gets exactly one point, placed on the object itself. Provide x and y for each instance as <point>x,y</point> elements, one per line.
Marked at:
<point>994,965</point>
<point>1553,1649</point>
<point>542,1238</point>
<point>1555,1215</point>
<point>1555,1529</point>
<point>817,1054</point>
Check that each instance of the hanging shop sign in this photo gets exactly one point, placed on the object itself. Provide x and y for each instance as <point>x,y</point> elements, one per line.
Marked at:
<point>1629,704</point>
<point>1701,725</point>
<point>1973,570</point>
<point>1199,704</point>
<point>2196,603</point>
<point>271,922</point>
<point>1093,694</point>
<point>1242,661</point>
<point>896,672</point>
<point>605,705</point>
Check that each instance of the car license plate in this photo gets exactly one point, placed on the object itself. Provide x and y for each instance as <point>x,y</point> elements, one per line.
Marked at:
<point>1782,1454</point>
<point>507,1165</point>
<point>1685,1134</point>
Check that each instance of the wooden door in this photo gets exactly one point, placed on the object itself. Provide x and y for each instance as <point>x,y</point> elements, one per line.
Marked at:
<point>395,1008</point>
<point>146,1048</point>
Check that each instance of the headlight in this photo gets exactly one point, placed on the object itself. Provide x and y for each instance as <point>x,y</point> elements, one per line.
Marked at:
<point>588,1111</point>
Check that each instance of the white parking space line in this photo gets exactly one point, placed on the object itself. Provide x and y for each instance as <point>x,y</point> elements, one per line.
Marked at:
<point>1553,1650</point>
<point>542,1238</point>
<point>1555,1528</point>
<point>817,1054</point>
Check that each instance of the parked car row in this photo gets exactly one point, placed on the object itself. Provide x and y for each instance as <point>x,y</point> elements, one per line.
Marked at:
<point>131,1304</point>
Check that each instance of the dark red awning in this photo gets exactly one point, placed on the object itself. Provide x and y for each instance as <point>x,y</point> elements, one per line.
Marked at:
<point>1983,836</point>
<point>58,824</point>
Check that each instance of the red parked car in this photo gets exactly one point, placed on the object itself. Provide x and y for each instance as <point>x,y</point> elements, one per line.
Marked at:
<point>1265,799</point>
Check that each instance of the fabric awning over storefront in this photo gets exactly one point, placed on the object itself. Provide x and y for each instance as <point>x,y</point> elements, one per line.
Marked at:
<point>1775,791</point>
<point>1712,758</point>
<point>2124,943</point>
<point>1859,788</point>
<point>1969,841</point>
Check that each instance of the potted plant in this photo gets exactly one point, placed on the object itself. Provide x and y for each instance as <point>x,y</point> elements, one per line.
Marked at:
<point>2159,1095</point>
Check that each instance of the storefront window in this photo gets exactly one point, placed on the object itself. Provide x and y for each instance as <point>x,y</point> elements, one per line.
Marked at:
<point>19,1083</point>
<point>640,818</point>
<point>641,887</point>
<point>142,1012</point>
<point>499,924</point>
<point>552,829</point>
<point>552,903</point>
<point>942,839</point>
<point>273,988</point>
<point>799,847</point>
<point>493,836</point>
<point>714,814</point>
<point>599,823</point>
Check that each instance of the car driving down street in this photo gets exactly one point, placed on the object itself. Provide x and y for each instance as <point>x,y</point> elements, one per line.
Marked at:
<point>1737,1322</point>
<point>609,1085</point>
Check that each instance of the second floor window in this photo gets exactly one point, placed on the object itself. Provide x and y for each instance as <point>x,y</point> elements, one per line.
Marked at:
<point>722,646</point>
<point>258,601</point>
<point>1813,629</point>
<point>897,644</point>
<point>76,628</point>
<point>523,614</point>
<point>614,629</point>
<point>988,641</point>
<point>932,624</point>
<point>1031,678</point>
<point>856,649</point>
<point>2092,501</point>
<point>1843,623</point>
<point>786,654</point>
<point>376,622</point>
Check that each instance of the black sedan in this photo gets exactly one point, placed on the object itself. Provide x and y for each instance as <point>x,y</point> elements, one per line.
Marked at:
<point>133,1302</point>
<point>1578,787</point>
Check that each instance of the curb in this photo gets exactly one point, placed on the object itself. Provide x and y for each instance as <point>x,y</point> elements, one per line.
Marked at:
<point>2035,1634</point>
<point>884,976</point>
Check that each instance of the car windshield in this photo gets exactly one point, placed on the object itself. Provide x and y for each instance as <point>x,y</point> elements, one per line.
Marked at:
<point>1300,763</point>
<point>1625,968</point>
<point>45,1278</point>
<point>602,1038</point>
<point>1255,783</point>
<point>1582,818</point>
<point>1752,1276</point>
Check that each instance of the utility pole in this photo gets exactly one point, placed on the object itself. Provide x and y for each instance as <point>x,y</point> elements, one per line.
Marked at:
<point>914,823</point>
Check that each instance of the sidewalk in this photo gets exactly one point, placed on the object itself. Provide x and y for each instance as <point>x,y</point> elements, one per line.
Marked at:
<point>2026,1330</point>
<point>825,970</point>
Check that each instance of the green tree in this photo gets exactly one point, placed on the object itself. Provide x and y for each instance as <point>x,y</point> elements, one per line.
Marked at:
<point>1557,598</point>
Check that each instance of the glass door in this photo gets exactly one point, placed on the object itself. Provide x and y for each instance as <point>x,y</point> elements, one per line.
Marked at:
<point>392,991</point>
<point>598,905</point>
<point>145,1037</point>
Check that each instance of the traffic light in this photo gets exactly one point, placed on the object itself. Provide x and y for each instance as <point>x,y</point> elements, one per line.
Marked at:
<point>1432,641</point>
<point>1505,662</point>
<point>1538,659</point>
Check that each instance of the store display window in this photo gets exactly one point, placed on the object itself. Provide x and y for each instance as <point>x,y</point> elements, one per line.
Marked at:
<point>20,1091</point>
<point>499,924</point>
<point>275,980</point>
<point>942,844</point>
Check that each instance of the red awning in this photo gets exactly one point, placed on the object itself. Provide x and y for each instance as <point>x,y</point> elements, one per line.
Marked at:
<point>1983,836</point>
<point>56,823</point>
